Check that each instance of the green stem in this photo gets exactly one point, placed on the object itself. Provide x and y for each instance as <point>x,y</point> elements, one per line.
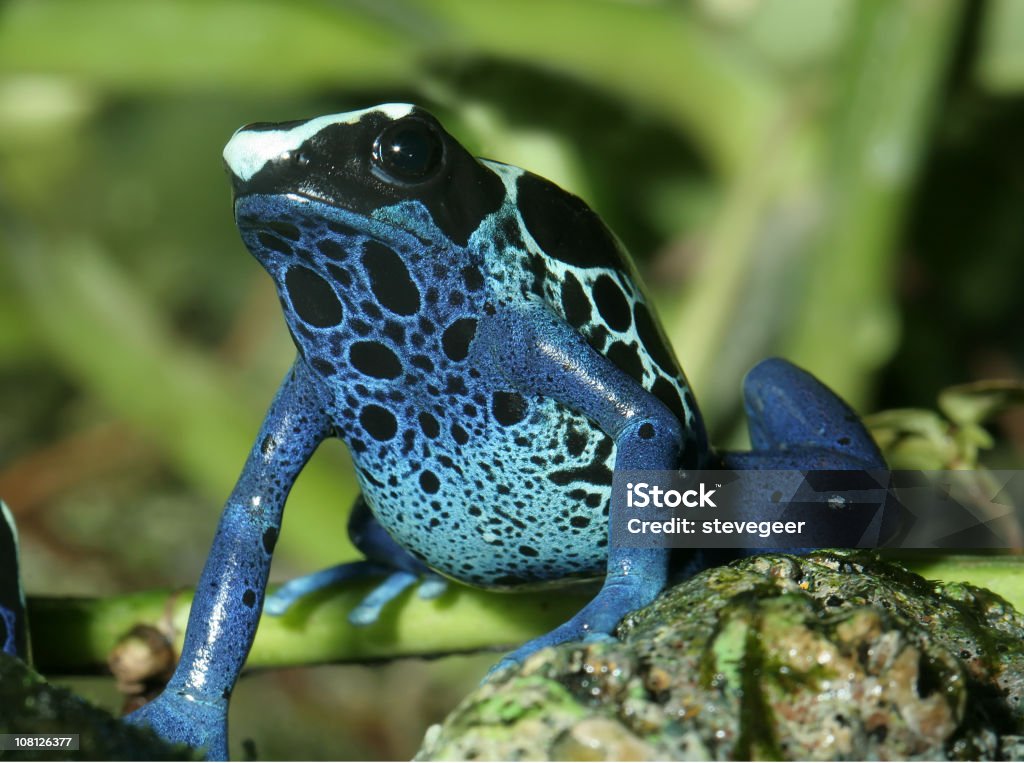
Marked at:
<point>72,636</point>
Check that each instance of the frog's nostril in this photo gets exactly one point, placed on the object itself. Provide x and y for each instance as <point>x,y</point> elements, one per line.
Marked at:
<point>252,147</point>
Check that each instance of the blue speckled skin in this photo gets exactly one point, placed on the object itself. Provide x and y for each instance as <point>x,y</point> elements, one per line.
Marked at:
<point>478,340</point>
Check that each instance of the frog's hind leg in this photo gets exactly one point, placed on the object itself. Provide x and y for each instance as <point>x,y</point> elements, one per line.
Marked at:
<point>798,423</point>
<point>13,627</point>
<point>384,557</point>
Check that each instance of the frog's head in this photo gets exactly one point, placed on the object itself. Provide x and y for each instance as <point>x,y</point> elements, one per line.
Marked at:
<point>362,219</point>
<point>372,170</point>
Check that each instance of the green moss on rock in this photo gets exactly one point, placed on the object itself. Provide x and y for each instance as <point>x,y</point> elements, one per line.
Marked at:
<point>836,655</point>
<point>29,705</point>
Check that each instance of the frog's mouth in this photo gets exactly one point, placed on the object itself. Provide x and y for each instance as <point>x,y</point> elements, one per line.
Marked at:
<point>264,210</point>
<point>294,224</point>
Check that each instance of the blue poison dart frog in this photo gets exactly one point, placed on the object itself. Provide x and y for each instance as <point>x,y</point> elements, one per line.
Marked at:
<point>480,342</point>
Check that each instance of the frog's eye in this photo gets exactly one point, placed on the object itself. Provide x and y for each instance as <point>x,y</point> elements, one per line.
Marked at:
<point>409,151</point>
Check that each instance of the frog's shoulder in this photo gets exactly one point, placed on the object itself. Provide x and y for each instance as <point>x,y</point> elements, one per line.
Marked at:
<point>555,248</point>
<point>564,228</point>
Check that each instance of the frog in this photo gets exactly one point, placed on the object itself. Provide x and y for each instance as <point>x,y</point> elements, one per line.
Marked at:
<point>480,341</point>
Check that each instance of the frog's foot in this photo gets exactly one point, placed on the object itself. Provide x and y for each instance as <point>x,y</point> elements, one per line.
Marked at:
<point>595,622</point>
<point>182,719</point>
<point>369,609</point>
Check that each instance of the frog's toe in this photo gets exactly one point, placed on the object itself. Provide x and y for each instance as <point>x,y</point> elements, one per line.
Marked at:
<point>432,586</point>
<point>368,610</point>
<point>281,600</point>
<point>564,634</point>
<point>505,662</point>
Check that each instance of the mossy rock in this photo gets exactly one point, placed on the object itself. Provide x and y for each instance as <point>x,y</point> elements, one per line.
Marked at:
<point>836,655</point>
<point>29,705</point>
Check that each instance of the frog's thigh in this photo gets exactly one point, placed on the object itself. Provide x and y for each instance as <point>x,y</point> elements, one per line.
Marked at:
<point>553,360</point>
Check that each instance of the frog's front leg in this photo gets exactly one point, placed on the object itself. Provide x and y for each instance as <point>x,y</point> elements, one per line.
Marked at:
<point>229,597</point>
<point>551,359</point>
<point>384,557</point>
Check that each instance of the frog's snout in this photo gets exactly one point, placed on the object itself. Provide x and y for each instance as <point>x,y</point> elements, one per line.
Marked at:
<point>257,145</point>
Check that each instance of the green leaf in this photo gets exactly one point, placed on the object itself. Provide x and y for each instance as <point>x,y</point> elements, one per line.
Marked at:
<point>976,402</point>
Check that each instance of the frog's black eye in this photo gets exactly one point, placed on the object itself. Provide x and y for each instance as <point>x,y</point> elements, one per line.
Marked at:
<point>408,151</point>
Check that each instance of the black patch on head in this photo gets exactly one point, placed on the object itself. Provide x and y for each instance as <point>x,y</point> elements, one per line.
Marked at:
<point>625,357</point>
<point>666,392</point>
<point>374,359</point>
<point>473,278</point>
<point>379,423</point>
<point>390,280</point>
<point>285,230</point>
<point>429,481</point>
<point>575,303</point>
<point>270,241</point>
<point>355,180</point>
<point>249,598</point>
<point>508,408</point>
<point>611,303</point>
<point>429,425</point>
<point>652,340</point>
<point>312,297</point>
<point>457,337</point>
<point>646,431</point>
<point>528,551</point>
<point>579,522</point>
<point>331,249</point>
<point>564,227</point>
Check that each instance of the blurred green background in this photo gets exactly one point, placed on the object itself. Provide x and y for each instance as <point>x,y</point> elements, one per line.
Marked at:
<point>838,182</point>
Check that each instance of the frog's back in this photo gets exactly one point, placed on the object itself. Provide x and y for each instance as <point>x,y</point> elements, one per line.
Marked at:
<point>550,245</point>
